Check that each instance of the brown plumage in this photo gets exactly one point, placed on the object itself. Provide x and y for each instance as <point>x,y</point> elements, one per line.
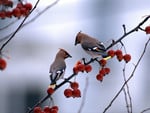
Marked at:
<point>57,68</point>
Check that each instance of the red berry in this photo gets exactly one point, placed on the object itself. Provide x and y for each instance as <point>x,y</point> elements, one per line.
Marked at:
<point>78,62</point>
<point>127,57</point>
<point>76,93</point>
<point>37,110</point>
<point>50,91</point>
<point>88,68</point>
<point>107,70</point>
<point>55,107</point>
<point>102,71</point>
<point>118,52</point>
<point>23,11</point>
<point>9,3</point>
<point>147,29</point>
<point>8,14</point>
<point>17,12</point>
<point>68,93</point>
<point>3,64</point>
<point>99,77</point>
<point>81,67</point>
<point>53,111</point>
<point>120,57</point>
<point>28,6</point>
<point>111,53</point>
<point>19,5</point>
<point>74,85</point>
<point>102,62</point>
<point>2,14</point>
<point>47,109</point>
<point>75,70</point>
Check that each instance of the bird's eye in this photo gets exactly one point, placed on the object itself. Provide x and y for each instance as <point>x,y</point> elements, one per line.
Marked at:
<point>66,54</point>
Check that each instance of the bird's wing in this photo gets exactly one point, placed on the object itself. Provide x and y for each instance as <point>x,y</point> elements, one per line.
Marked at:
<point>57,71</point>
<point>95,47</point>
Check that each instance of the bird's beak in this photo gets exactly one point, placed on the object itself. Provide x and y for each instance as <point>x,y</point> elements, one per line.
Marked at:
<point>69,56</point>
<point>76,42</point>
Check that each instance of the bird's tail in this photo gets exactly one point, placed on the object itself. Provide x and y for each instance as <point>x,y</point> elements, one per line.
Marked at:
<point>52,85</point>
<point>106,56</point>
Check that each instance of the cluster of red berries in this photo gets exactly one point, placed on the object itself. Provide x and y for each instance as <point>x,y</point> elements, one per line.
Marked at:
<point>80,67</point>
<point>3,63</point>
<point>147,29</point>
<point>119,55</point>
<point>103,71</point>
<point>74,91</point>
<point>21,10</point>
<point>46,109</point>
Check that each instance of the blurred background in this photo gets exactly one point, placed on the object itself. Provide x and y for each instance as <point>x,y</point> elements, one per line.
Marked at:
<point>26,78</point>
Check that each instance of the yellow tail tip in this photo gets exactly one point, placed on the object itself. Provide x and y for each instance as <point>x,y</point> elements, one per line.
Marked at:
<point>52,86</point>
<point>107,58</point>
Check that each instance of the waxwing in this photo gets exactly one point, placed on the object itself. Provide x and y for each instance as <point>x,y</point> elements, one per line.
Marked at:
<point>91,45</point>
<point>57,68</point>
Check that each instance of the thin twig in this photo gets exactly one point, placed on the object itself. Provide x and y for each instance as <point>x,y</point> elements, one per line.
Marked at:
<point>84,95</point>
<point>132,74</point>
<point>126,100</point>
<point>128,92</point>
<point>124,28</point>
<point>145,110</point>
<point>9,24</point>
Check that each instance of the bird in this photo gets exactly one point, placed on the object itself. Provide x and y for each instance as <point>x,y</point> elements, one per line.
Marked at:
<point>58,67</point>
<point>91,46</point>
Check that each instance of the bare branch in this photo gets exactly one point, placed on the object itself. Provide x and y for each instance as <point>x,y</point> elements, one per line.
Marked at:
<point>127,33</point>
<point>84,95</point>
<point>11,23</point>
<point>126,100</point>
<point>145,110</point>
<point>129,105</point>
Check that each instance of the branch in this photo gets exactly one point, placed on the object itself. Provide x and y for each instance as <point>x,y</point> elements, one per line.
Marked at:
<point>11,23</point>
<point>129,107</point>
<point>145,110</point>
<point>132,74</point>
<point>127,33</point>
<point>33,19</point>
<point>126,100</point>
<point>12,36</point>
<point>84,95</point>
